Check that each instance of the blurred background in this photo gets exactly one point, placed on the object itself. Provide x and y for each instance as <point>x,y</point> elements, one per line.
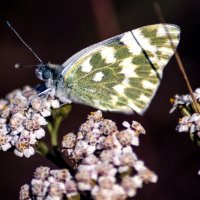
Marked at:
<point>58,29</point>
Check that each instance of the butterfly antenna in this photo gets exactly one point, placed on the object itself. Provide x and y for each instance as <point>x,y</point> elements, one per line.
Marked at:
<point>18,66</point>
<point>17,34</point>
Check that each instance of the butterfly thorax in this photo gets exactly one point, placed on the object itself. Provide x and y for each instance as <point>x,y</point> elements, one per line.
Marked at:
<point>51,74</point>
<point>48,71</point>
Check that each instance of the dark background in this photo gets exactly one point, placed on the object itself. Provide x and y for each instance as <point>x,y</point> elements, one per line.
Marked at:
<point>58,29</point>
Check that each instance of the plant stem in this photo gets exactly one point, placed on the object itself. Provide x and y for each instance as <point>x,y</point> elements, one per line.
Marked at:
<point>42,148</point>
<point>178,59</point>
<point>53,130</point>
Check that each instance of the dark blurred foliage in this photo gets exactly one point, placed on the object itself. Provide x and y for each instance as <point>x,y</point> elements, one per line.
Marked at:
<point>58,29</point>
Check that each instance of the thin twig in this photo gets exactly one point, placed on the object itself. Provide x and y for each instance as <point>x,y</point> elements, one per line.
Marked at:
<point>178,59</point>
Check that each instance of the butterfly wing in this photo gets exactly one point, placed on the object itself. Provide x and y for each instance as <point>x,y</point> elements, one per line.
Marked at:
<point>122,73</point>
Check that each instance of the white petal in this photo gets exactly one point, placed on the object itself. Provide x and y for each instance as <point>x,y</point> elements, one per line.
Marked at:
<point>138,181</point>
<point>123,169</point>
<point>126,124</point>
<point>154,178</point>
<point>42,121</point>
<point>6,146</point>
<point>84,186</point>
<point>90,149</point>
<point>55,103</point>
<point>18,153</point>
<point>127,149</point>
<point>132,193</point>
<point>14,139</point>
<point>29,152</point>
<point>32,138</point>
<point>46,113</point>
<point>135,141</point>
<point>139,165</point>
<point>40,133</point>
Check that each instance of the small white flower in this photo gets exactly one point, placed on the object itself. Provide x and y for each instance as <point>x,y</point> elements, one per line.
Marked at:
<point>127,149</point>
<point>86,167</point>
<point>139,165</point>
<point>46,111</point>
<point>183,128</point>
<point>154,178</point>
<point>84,186</point>
<point>123,169</point>
<point>16,123</point>
<point>49,197</point>
<point>3,126</point>
<point>6,146</point>
<point>5,142</point>
<point>90,149</point>
<point>138,181</point>
<point>126,124</point>
<point>135,141</point>
<point>197,93</point>
<point>193,128</point>
<point>194,117</point>
<point>2,121</point>
<point>55,103</point>
<point>118,190</point>
<point>41,120</point>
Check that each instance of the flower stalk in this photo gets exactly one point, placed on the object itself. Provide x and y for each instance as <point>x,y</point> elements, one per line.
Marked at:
<point>177,57</point>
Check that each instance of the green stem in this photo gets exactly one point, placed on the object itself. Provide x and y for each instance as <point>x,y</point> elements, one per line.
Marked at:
<point>42,148</point>
<point>53,130</point>
<point>55,156</point>
<point>185,111</point>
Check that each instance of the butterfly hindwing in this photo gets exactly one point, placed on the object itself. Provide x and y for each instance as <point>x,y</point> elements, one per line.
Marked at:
<point>122,73</point>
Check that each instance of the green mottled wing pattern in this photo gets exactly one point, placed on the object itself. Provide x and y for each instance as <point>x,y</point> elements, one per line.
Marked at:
<point>122,73</point>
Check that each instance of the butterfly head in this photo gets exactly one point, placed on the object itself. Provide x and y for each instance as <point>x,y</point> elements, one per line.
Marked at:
<point>44,72</point>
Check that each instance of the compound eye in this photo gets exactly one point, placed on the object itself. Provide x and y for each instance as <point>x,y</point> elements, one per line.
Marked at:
<point>46,74</point>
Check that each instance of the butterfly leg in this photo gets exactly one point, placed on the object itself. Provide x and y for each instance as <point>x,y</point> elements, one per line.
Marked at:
<point>46,92</point>
<point>65,100</point>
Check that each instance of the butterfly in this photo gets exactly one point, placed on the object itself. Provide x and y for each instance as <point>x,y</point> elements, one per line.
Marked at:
<point>119,74</point>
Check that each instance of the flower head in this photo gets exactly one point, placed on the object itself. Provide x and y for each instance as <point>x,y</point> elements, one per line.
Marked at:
<point>107,166</point>
<point>49,184</point>
<point>190,122</point>
<point>22,120</point>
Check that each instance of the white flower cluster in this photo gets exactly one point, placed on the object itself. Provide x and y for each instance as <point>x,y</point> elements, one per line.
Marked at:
<point>108,168</point>
<point>190,122</point>
<point>22,117</point>
<point>98,134</point>
<point>185,100</point>
<point>113,174</point>
<point>49,185</point>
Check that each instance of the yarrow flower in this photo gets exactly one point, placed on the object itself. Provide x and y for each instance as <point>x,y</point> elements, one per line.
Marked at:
<point>185,101</point>
<point>22,120</point>
<point>190,122</point>
<point>49,185</point>
<point>107,166</point>
<point>98,134</point>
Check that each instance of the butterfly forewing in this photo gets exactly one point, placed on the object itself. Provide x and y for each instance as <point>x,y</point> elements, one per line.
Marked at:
<point>122,73</point>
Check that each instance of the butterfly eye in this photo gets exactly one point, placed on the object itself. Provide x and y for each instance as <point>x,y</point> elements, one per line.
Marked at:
<point>46,74</point>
